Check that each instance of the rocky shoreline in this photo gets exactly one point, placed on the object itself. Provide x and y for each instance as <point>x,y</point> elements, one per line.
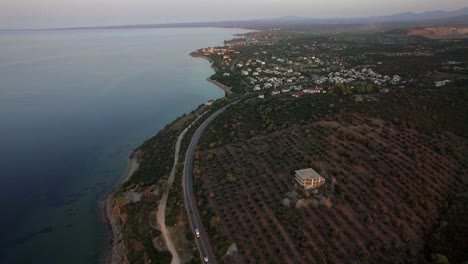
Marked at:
<point>116,251</point>
<point>112,217</point>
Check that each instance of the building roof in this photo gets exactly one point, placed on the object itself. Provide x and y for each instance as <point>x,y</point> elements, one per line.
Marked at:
<point>307,174</point>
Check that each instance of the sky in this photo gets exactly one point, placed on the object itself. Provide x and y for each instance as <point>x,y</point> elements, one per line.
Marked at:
<point>17,14</point>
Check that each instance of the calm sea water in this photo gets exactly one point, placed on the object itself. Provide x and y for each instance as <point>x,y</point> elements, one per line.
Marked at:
<point>73,104</point>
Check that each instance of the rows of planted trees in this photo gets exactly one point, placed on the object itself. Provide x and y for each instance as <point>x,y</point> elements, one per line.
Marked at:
<point>386,182</point>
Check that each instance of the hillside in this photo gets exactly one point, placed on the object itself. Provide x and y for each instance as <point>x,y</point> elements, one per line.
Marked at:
<point>391,168</point>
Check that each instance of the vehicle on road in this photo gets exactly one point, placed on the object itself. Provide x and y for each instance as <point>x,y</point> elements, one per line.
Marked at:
<point>197,232</point>
<point>205,258</point>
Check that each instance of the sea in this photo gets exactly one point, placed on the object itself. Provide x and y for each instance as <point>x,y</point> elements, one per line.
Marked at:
<point>73,106</point>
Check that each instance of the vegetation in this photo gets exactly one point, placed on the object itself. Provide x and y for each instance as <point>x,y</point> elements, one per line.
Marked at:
<point>391,162</point>
<point>449,238</point>
<point>138,198</point>
<point>395,163</point>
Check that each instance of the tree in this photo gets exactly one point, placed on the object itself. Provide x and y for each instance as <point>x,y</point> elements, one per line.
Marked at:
<point>439,259</point>
<point>215,221</point>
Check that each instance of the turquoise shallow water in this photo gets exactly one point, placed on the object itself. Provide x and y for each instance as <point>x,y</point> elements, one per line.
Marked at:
<point>73,104</point>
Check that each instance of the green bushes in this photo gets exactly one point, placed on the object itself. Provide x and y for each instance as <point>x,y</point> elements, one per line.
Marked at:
<point>450,237</point>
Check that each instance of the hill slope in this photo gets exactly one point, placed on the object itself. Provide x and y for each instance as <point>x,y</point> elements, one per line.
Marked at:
<point>390,167</point>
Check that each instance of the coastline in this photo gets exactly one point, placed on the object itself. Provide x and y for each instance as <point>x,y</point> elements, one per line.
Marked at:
<point>225,88</point>
<point>116,252</point>
<point>133,165</point>
<point>116,249</point>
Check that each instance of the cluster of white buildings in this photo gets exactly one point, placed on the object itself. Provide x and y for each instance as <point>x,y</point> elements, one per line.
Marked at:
<point>352,75</point>
<point>262,77</point>
<point>297,91</point>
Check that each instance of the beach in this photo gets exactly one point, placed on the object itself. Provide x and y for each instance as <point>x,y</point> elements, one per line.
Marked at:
<point>133,164</point>
<point>225,88</point>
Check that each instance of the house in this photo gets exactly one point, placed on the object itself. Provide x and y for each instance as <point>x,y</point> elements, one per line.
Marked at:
<point>313,90</point>
<point>261,96</point>
<point>396,79</point>
<point>244,72</point>
<point>441,83</point>
<point>210,102</point>
<point>226,74</point>
<point>285,90</point>
<point>257,88</point>
<point>298,94</point>
<point>275,92</point>
<point>308,178</point>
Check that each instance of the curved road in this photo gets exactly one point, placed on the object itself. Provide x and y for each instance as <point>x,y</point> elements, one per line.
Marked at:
<point>187,182</point>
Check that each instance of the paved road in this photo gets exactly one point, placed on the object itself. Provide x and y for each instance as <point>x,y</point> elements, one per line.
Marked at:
<point>190,202</point>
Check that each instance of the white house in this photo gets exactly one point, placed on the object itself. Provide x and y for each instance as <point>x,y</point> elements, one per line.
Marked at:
<point>308,178</point>
<point>313,90</point>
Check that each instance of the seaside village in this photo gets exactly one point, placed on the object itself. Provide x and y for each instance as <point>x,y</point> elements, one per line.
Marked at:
<point>260,66</point>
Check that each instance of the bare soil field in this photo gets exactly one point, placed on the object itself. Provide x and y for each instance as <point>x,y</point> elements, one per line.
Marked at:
<point>435,32</point>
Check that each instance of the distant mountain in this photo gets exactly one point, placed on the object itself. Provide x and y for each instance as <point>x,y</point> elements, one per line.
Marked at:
<point>428,15</point>
<point>401,17</point>
<point>428,18</point>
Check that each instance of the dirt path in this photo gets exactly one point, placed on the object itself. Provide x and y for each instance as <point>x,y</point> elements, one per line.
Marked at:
<point>161,216</point>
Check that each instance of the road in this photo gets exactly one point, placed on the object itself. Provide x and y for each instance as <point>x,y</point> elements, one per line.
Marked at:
<point>189,198</point>
<point>161,215</point>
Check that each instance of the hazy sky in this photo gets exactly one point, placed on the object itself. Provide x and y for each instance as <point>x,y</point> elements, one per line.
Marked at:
<point>67,13</point>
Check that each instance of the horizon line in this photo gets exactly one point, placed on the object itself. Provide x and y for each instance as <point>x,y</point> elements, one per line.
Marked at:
<point>175,24</point>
